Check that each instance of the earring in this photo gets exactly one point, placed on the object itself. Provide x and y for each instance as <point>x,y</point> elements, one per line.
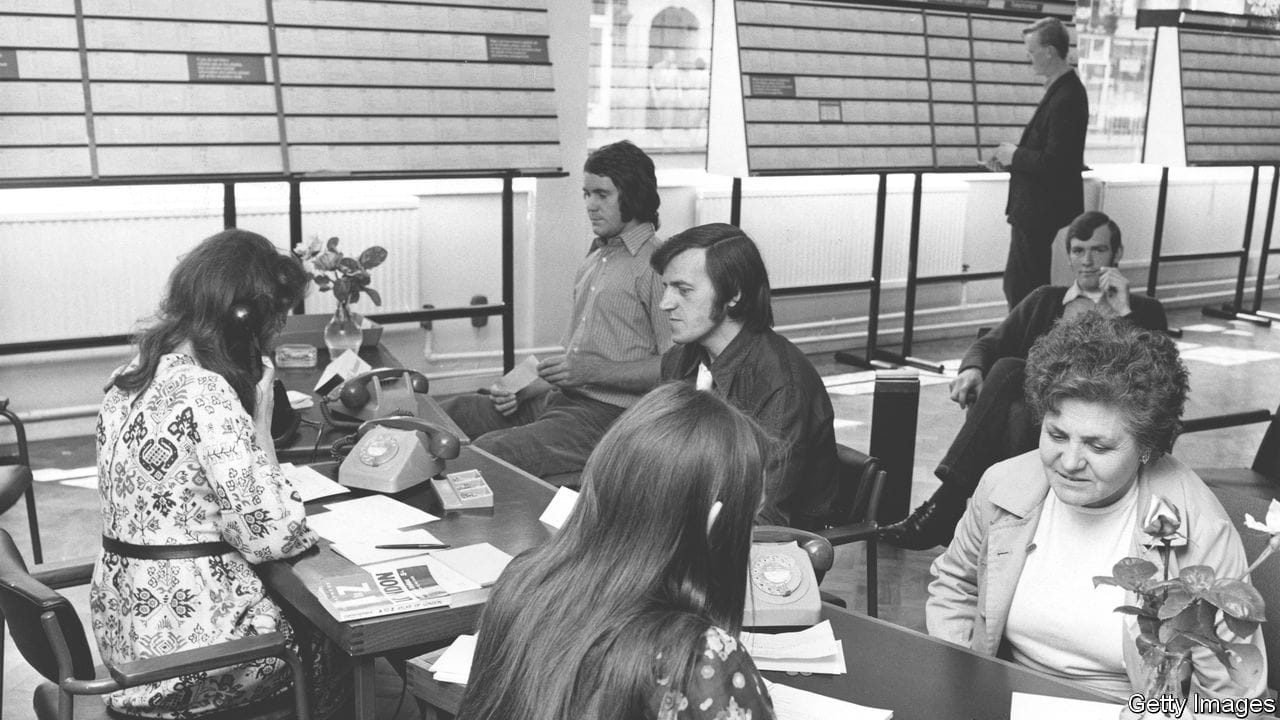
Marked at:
<point>1146,457</point>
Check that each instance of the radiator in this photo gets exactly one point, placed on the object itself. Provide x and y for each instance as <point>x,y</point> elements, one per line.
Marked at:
<point>100,274</point>
<point>817,238</point>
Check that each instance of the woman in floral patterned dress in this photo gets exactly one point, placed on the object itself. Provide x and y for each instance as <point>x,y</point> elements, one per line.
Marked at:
<point>632,609</point>
<point>186,463</point>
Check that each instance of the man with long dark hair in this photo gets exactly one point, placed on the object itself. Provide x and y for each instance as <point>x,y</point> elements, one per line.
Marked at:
<point>716,295</point>
<point>615,338</point>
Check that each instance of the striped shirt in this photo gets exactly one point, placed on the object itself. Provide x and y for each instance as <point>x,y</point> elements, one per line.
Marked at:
<point>615,309</point>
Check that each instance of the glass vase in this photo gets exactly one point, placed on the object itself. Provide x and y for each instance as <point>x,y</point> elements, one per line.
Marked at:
<point>1164,675</point>
<point>343,332</point>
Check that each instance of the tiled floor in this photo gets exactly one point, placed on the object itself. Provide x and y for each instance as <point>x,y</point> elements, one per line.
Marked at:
<point>1233,367</point>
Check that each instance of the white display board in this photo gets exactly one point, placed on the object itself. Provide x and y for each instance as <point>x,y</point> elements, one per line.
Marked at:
<point>825,86</point>
<point>111,89</point>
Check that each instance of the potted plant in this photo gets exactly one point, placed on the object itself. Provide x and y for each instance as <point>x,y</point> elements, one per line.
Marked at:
<point>347,278</point>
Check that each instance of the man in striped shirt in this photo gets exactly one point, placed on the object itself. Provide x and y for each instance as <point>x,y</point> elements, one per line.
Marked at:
<point>616,334</point>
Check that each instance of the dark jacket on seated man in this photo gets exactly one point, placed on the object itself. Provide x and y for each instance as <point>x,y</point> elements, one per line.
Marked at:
<point>1033,317</point>
<point>767,377</point>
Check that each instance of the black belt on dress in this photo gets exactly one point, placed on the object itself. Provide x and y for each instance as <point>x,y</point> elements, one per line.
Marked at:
<point>164,552</point>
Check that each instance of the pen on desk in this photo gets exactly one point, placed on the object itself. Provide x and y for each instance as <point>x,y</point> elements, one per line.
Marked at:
<point>412,546</point>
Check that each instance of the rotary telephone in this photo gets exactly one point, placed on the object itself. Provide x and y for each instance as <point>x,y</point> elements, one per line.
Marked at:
<point>782,589</point>
<point>375,394</point>
<point>397,453</point>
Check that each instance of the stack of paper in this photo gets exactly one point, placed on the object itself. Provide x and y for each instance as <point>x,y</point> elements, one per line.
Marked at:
<point>454,666</point>
<point>813,650</point>
<point>354,527</point>
<point>793,704</point>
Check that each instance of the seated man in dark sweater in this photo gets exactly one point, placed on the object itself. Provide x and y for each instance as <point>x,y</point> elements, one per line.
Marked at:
<point>716,296</point>
<point>989,384</point>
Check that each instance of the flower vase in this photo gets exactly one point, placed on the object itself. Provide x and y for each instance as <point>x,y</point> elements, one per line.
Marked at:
<point>1165,675</point>
<point>343,332</point>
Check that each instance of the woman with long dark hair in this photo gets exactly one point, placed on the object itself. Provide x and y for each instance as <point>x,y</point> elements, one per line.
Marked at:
<point>632,609</point>
<point>191,491</point>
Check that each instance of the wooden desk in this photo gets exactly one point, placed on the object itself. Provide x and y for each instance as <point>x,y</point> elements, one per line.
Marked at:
<point>512,526</point>
<point>304,447</point>
<point>922,678</point>
<point>916,676</point>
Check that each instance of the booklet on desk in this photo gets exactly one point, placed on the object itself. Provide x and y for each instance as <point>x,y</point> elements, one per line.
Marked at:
<point>382,590</point>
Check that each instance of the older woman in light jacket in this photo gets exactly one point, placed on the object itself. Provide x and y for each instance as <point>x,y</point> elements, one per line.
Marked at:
<point>1017,580</point>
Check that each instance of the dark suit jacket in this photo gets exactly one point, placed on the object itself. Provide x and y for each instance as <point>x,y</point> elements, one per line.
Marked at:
<point>1045,189</point>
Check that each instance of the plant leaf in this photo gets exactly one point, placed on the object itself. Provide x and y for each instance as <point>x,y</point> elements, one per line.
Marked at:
<point>332,244</point>
<point>328,260</point>
<point>355,294</point>
<point>1245,665</point>
<point>373,256</point>
<point>342,289</point>
<point>1129,610</point>
<point>1104,580</point>
<point>374,296</point>
<point>1131,571</point>
<point>1198,578</point>
<point>1238,599</point>
<point>322,280</point>
<point>1174,603</point>
<point>1241,628</point>
<point>348,266</point>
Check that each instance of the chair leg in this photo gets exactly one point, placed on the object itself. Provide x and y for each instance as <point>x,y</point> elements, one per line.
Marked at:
<point>37,553</point>
<point>873,594</point>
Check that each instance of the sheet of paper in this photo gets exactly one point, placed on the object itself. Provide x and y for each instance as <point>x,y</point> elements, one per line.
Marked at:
<point>832,664</point>
<point>310,484</point>
<point>360,548</point>
<point>521,375</point>
<point>794,704</point>
<point>352,520</point>
<point>454,666</point>
<point>814,642</point>
<point>559,508</point>
<point>481,563</point>
<point>300,400</point>
<point>345,366</point>
<point>1026,706</point>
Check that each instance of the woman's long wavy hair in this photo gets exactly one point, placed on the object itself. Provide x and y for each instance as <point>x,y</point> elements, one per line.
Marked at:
<point>593,624</point>
<point>229,297</point>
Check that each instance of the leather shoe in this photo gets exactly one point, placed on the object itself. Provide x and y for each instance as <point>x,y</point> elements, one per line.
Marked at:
<point>931,524</point>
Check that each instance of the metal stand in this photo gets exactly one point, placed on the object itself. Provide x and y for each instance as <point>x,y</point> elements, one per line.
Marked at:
<point>873,308</point>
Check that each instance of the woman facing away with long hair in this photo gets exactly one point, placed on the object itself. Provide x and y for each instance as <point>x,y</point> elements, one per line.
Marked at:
<point>632,609</point>
<point>191,492</point>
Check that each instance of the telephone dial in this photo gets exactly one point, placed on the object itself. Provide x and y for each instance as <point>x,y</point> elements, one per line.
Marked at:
<point>375,394</point>
<point>396,453</point>
<point>782,589</point>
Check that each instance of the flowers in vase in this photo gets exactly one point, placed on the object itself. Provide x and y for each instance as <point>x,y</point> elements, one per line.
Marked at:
<point>347,277</point>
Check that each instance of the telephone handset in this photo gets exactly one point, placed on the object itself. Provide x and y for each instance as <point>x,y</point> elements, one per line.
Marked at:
<point>397,453</point>
<point>782,589</point>
<point>376,394</point>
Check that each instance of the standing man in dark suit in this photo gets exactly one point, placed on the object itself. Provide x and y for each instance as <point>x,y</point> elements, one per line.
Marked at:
<point>1045,189</point>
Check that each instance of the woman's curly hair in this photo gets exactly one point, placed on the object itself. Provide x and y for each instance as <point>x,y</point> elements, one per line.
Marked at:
<point>1111,361</point>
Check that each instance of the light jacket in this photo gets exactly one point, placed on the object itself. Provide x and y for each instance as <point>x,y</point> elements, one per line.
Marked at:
<point>975,579</point>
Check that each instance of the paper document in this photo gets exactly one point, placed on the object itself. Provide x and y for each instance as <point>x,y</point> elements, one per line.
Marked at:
<point>454,666</point>
<point>559,508</point>
<point>794,704</point>
<point>812,650</point>
<point>1026,706</point>
<point>299,400</point>
<point>520,376</point>
<point>352,520</point>
<point>361,547</point>
<point>310,484</point>
<point>482,563</point>
<point>345,366</point>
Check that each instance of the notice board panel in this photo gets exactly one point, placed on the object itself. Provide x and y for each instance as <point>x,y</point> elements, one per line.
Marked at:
<point>1230,96</point>
<point>824,86</point>
<point>136,88</point>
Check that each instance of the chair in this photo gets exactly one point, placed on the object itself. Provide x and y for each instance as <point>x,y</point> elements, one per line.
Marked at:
<point>852,518</point>
<point>16,480</point>
<point>1262,479</point>
<point>1266,578</point>
<point>48,633</point>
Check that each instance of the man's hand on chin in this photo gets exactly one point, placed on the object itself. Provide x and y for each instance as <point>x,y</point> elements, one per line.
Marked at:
<point>1115,290</point>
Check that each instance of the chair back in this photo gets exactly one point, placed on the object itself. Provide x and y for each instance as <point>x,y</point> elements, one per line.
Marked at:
<point>25,601</point>
<point>1266,578</point>
<point>859,487</point>
<point>1267,460</point>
